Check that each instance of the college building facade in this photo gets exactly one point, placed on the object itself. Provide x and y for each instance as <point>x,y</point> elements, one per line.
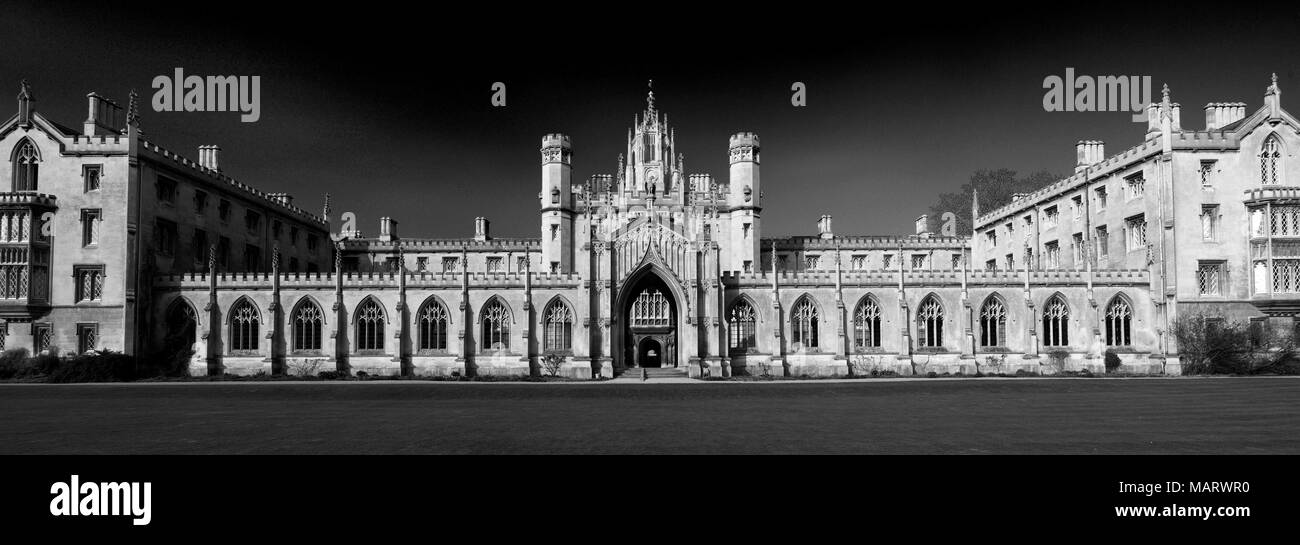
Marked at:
<point>648,266</point>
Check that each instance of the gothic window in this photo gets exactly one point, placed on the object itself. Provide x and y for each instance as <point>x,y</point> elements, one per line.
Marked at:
<point>1269,156</point>
<point>803,323</point>
<point>26,162</point>
<point>307,322</point>
<point>1136,185</point>
<point>1056,322</point>
<point>370,326</point>
<point>1207,174</point>
<point>433,326</point>
<point>1119,320</point>
<point>558,328</point>
<point>1136,228</point>
<point>90,223</point>
<point>87,337</point>
<point>858,262</point>
<point>449,264</point>
<point>993,323</point>
<point>1209,222</point>
<point>651,309</point>
<point>741,329</point>
<point>182,325</point>
<point>244,322</point>
<point>812,262</point>
<point>929,323</point>
<point>496,326</point>
<point>90,282</point>
<point>1210,277</point>
<point>91,175</point>
<point>494,264</point>
<point>866,324</point>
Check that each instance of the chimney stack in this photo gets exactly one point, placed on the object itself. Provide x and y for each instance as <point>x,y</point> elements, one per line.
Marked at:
<point>208,157</point>
<point>481,228</point>
<point>1089,152</point>
<point>282,198</point>
<point>824,227</point>
<point>387,229</point>
<point>923,226</point>
<point>103,117</point>
<point>1222,114</point>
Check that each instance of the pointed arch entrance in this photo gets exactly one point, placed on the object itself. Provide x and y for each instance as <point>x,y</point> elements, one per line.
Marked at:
<point>648,310</point>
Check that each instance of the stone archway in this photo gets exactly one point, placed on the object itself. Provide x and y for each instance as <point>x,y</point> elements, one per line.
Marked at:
<point>648,319</point>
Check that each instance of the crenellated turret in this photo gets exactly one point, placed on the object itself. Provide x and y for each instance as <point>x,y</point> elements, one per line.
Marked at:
<point>557,202</point>
<point>744,199</point>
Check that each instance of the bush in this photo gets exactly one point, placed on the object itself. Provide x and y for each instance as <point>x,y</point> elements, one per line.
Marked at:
<point>332,375</point>
<point>102,367</point>
<point>13,363</point>
<point>1208,345</point>
<point>1112,361</point>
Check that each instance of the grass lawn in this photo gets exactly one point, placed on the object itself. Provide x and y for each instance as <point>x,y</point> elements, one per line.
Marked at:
<point>1190,415</point>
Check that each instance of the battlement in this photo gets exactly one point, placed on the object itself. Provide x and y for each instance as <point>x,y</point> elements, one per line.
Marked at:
<point>556,140</point>
<point>744,139</point>
<point>927,279</point>
<point>380,280</point>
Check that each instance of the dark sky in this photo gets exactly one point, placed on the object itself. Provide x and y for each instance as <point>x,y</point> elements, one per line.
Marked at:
<point>387,107</point>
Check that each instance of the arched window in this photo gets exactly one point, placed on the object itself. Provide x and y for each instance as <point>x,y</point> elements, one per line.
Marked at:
<point>651,309</point>
<point>244,322</point>
<point>741,326</point>
<point>558,327</point>
<point>307,321</point>
<point>929,323</point>
<point>803,323</point>
<point>370,326</point>
<point>993,323</point>
<point>1270,155</point>
<point>866,324</point>
<point>496,326</point>
<point>26,162</point>
<point>182,324</point>
<point>1056,322</point>
<point>1119,319</point>
<point>433,326</point>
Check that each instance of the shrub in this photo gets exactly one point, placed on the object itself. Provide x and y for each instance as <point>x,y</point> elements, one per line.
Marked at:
<point>932,374</point>
<point>1112,361</point>
<point>332,375</point>
<point>13,363</point>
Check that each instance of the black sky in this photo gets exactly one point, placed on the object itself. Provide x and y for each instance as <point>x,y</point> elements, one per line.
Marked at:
<point>387,106</point>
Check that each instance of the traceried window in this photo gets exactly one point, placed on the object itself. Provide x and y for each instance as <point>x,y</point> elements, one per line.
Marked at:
<point>1050,217</point>
<point>741,327</point>
<point>866,324</point>
<point>993,323</point>
<point>1136,232</point>
<point>433,326</point>
<point>1077,248</point>
<point>929,323</point>
<point>307,322</point>
<point>91,218</point>
<point>557,329</point>
<point>1011,262</point>
<point>991,264</point>
<point>244,322</point>
<point>26,164</point>
<point>887,261</point>
<point>651,309</point>
<point>1209,222</point>
<point>918,261</point>
<point>166,190</point>
<point>1207,174</point>
<point>803,324</point>
<point>1270,155</point>
<point>1135,185</point>
<point>1077,206</point>
<point>858,262</point>
<point>1286,275</point>
<point>90,283</point>
<point>992,237</point>
<point>91,175</point>
<point>449,264</point>
<point>1210,277</point>
<point>494,265</point>
<point>165,237</point>
<point>87,337</point>
<point>1056,322</point>
<point>1119,322</point>
<point>956,261</point>
<point>1052,251</point>
<point>1100,192</point>
<point>496,326</point>
<point>812,262</point>
<point>421,264</point>
<point>1103,242</point>
<point>1284,221</point>
<point>370,326</point>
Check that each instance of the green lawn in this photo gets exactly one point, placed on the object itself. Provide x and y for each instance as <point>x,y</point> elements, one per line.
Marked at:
<point>1191,415</point>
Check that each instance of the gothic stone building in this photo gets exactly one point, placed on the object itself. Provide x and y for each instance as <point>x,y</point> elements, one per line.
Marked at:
<point>652,266</point>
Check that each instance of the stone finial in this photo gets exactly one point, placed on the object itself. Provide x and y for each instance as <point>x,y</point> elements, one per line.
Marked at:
<point>25,100</point>
<point>650,96</point>
<point>212,257</point>
<point>1273,88</point>
<point>133,112</point>
<point>325,210</point>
